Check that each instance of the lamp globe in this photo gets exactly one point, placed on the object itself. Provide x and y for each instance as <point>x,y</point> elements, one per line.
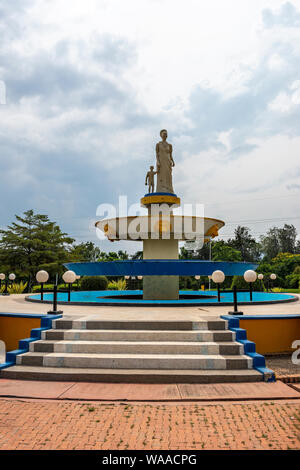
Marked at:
<point>42,276</point>
<point>250,275</point>
<point>69,277</point>
<point>218,277</point>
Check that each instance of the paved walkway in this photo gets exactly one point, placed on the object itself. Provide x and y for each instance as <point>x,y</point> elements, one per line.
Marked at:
<point>29,424</point>
<point>18,304</point>
<point>146,392</point>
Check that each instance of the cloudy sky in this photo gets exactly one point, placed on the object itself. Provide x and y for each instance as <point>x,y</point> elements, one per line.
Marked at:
<point>89,84</point>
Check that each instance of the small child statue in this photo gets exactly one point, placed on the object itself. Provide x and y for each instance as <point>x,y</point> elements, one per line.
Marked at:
<point>150,179</point>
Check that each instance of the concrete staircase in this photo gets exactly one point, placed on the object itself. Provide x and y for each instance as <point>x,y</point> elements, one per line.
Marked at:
<point>202,351</point>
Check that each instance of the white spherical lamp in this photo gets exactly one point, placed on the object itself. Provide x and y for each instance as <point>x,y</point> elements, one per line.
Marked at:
<point>273,276</point>
<point>127,277</point>
<point>218,277</point>
<point>140,277</point>
<point>2,276</point>
<point>250,275</point>
<point>42,276</point>
<point>197,277</point>
<point>260,277</point>
<point>69,277</point>
<point>12,277</point>
<point>77,278</point>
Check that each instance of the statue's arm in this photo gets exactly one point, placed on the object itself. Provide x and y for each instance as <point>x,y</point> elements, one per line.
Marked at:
<point>171,155</point>
<point>146,180</point>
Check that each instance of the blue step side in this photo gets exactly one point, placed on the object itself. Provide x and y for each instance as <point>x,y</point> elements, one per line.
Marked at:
<point>35,334</point>
<point>259,362</point>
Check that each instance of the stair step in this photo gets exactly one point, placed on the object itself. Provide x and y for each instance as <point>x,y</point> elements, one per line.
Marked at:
<point>130,375</point>
<point>136,347</point>
<point>135,361</point>
<point>138,335</point>
<point>65,324</point>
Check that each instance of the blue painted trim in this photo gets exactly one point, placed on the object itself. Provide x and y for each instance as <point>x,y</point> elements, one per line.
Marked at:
<point>159,267</point>
<point>258,360</point>
<point>280,316</point>
<point>23,315</point>
<point>160,194</point>
<point>35,335</point>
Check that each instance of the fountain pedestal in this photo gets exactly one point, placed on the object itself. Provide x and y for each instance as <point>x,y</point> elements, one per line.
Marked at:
<point>160,287</point>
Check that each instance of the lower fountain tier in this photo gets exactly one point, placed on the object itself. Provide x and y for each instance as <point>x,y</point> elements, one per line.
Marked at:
<point>159,267</point>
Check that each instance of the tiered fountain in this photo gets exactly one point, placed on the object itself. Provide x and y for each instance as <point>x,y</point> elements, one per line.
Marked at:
<point>160,231</point>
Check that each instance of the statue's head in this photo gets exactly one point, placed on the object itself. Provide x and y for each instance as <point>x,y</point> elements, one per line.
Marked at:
<point>163,133</point>
<point>151,167</point>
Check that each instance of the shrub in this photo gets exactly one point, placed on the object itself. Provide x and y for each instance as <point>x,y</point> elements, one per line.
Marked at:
<point>277,289</point>
<point>46,287</point>
<point>49,287</point>
<point>94,283</point>
<point>240,283</point>
<point>17,288</point>
<point>120,284</point>
<point>292,280</point>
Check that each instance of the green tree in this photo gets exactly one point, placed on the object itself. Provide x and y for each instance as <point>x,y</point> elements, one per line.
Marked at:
<point>137,255</point>
<point>33,242</point>
<point>113,256</point>
<point>222,252</point>
<point>88,252</point>
<point>279,240</point>
<point>245,244</point>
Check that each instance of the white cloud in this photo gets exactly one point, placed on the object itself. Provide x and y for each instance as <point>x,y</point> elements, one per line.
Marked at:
<point>90,84</point>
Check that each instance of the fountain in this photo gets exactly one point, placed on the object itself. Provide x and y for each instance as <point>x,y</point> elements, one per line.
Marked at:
<point>160,231</point>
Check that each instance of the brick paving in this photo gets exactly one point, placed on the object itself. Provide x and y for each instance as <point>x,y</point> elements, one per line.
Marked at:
<point>40,424</point>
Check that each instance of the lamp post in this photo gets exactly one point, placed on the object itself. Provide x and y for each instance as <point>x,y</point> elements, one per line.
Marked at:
<point>209,280</point>
<point>198,280</point>
<point>11,277</point>
<point>218,277</point>
<point>250,276</point>
<point>77,279</point>
<point>260,277</point>
<point>69,277</point>
<point>272,277</point>
<point>2,277</point>
<point>54,310</point>
<point>42,277</point>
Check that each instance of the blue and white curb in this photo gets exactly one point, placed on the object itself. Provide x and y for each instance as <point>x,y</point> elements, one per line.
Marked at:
<point>258,360</point>
<point>35,335</point>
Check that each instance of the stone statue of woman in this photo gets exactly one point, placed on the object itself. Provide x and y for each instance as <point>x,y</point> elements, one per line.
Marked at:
<point>164,165</point>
